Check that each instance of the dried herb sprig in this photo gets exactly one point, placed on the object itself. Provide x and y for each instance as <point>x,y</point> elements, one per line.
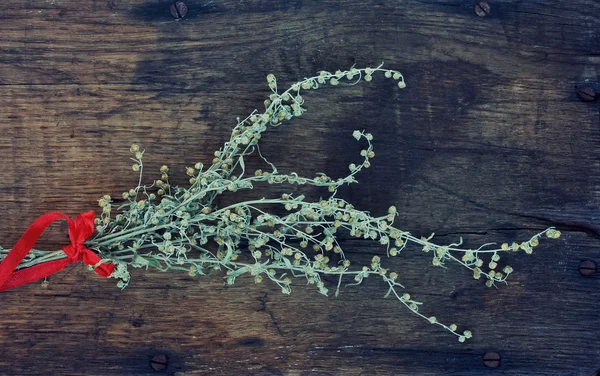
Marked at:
<point>181,228</point>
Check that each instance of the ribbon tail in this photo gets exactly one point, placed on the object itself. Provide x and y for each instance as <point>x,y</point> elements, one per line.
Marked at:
<point>92,259</point>
<point>105,270</point>
<point>26,242</point>
<point>33,273</point>
<point>79,231</point>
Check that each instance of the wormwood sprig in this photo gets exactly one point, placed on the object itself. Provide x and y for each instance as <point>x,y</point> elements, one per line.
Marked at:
<point>182,228</point>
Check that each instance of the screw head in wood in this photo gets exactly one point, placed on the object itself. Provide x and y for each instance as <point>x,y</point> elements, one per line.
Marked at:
<point>491,359</point>
<point>179,9</point>
<point>586,93</point>
<point>159,362</point>
<point>587,268</point>
<point>483,9</point>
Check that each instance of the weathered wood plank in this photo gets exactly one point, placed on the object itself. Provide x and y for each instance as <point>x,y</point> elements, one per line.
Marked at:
<point>488,141</point>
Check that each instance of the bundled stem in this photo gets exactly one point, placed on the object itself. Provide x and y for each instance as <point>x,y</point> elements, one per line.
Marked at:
<point>181,228</point>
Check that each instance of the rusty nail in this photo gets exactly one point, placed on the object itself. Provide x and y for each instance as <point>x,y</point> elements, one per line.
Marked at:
<point>586,93</point>
<point>482,9</point>
<point>159,362</point>
<point>491,359</point>
<point>179,9</point>
<point>587,268</point>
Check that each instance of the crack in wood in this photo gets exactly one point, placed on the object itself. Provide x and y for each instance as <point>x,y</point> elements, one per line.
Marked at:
<point>263,308</point>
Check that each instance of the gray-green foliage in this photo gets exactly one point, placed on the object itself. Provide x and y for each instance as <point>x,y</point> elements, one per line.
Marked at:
<point>181,228</point>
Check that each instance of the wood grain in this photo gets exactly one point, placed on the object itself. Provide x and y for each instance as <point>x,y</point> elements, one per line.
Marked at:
<point>488,142</point>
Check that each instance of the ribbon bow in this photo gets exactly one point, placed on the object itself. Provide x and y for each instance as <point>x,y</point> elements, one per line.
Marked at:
<point>80,230</point>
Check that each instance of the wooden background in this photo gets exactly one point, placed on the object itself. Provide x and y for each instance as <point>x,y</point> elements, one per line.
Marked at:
<point>488,142</point>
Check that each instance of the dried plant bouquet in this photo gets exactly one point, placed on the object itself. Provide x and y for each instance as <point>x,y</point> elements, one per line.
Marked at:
<point>181,228</point>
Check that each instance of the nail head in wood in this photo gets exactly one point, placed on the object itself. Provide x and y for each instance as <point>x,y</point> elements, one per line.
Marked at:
<point>483,9</point>
<point>491,359</point>
<point>159,362</point>
<point>586,93</point>
<point>179,9</point>
<point>587,268</point>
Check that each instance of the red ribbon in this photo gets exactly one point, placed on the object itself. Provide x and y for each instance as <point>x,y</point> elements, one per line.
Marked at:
<point>79,231</point>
